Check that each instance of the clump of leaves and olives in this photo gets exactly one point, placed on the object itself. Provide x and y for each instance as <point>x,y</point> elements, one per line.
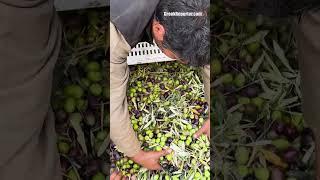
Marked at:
<point>167,106</point>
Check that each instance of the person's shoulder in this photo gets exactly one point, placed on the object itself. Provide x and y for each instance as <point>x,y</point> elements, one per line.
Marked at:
<point>119,7</point>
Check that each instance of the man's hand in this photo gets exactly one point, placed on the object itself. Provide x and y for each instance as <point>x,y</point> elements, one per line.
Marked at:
<point>205,129</point>
<point>150,160</point>
<point>116,176</point>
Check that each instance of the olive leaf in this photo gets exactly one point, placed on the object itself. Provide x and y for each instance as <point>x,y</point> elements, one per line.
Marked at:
<point>76,125</point>
<point>179,151</point>
<point>257,37</point>
<point>273,66</point>
<point>260,143</point>
<point>288,101</point>
<point>300,174</point>
<point>308,154</point>
<point>297,84</point>
<point>280,54</point>
<point>103,147</point>
<point>257,64</point>
<point>273,158</point>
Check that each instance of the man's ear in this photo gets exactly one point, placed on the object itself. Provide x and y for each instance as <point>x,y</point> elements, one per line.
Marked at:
<point>158,31</point>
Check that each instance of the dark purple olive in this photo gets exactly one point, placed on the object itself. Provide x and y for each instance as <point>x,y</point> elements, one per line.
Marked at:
<point>186,166</point>
<point>279,127</point>
<point>169,140</point>
<point>290,155</point>
<point>93,102</point>
<point>92,167</point>
<point>166,94</point>
<point>75,152</point>
<point>112,166</point>
<point>61,116</point>
<point>145,144</point>
<point>137,113</point>
<point>116,155</point>
<point>165,166</point>
<point>251,91</point>
<point>205,106</point>
<point>231,101</point>
<point>160,116</point>
<point>162,86</point>
<point>172,169</point>
<point>195,122</point>
<point>291,132</point>
<point>277,174</point>
<point>64,164</point>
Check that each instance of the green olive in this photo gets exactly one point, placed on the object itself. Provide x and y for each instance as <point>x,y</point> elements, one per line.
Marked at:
<point>243,170</point>
<point>262,173</point>
<point>92,66</point>
<point>253,47</point>
<point>99,176</point>
<point>96,89</point>
<point>63,147</point>
<point>70,105</point>
<point>239,80</point>
<point>94,76</point>
<point>242,155</point>
<point>227,78</point>
<point>244,100</point>
<point>162,143</point>
<point>101,135</point>
<point>72,175</point>
<point>169,157</point>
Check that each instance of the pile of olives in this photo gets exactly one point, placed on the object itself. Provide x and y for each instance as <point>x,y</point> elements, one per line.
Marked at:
<point>167,106</point>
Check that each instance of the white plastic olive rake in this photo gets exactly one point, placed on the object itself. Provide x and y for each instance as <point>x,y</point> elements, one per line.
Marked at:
<point>144,53</point>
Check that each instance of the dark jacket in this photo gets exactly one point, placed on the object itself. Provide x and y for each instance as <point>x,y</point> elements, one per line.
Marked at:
<point>133,18</point>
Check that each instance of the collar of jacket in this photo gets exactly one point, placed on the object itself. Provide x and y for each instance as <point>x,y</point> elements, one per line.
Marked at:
<point>133,19</point>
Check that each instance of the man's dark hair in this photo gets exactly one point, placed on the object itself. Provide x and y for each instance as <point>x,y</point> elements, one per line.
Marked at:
<point>187,36</point>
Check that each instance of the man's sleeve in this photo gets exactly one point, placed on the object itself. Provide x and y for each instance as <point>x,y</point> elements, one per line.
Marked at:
<point>206,82</point>
<point>121,131</point>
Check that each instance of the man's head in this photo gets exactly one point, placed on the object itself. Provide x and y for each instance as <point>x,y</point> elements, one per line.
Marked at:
<point>186,38</point>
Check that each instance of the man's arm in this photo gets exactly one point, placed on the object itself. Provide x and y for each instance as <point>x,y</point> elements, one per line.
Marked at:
<point>121,131</point>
